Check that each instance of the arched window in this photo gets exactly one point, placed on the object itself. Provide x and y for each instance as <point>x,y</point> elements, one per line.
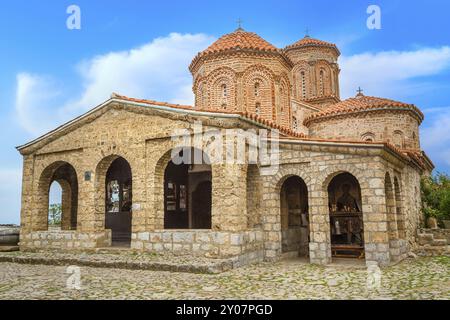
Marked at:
<point>321,85</point>
<point>224,91</point>
<point>368,137</point>
<point>398,139</point>
<point>257,89</point>
<point>294,124</point>
<point>303,86</point>
<point>281,100</point>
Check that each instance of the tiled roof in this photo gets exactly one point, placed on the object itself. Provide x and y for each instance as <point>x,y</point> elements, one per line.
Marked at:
<point>253,117</point>
<point>362,103</point>
<point>311,42</point>
<point>240,39</point>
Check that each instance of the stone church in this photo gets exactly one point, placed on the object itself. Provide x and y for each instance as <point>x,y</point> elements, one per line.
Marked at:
<point>346,184</point>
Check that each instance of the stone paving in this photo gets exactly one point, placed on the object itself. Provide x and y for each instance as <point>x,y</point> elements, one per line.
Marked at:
<point>421,278</point>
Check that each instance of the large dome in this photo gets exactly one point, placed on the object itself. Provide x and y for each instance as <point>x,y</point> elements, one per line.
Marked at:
<point>235,41</point>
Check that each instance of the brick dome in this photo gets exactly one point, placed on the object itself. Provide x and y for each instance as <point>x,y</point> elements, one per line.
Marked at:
<point>236,41</point>
<point>308,42</point>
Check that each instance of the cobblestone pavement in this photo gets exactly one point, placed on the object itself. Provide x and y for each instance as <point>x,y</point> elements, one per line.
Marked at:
<point>422,278</point>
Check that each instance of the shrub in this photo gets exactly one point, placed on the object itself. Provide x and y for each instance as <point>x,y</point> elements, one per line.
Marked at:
<point>436,196</point>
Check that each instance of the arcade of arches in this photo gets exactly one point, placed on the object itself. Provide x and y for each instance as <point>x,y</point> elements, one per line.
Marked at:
<point>141,198</point>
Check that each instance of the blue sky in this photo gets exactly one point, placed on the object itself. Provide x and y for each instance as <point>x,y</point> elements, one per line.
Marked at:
<point>49,74</point>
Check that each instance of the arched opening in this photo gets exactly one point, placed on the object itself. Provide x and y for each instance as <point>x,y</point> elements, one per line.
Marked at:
<point>390,208</point>
<point>346,219</point>
<point>61,211</point>
<point>294,217</point>
<point>118,201</point>
<point>399,211</point>
<point>188,191</point>
<point>55,200</point>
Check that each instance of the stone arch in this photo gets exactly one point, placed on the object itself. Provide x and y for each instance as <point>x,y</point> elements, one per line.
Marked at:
<point>399,209</point>
<point>368,137</point>
<point>65,174</point>
<point>271,218</point>
<point>346,216</point>
<point>161,189</point>
<point>294,216</point>
<point>101,170</point>
<point>398,139</point>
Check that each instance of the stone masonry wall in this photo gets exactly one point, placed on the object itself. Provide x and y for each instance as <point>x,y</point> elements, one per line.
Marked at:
<point>385,126</point>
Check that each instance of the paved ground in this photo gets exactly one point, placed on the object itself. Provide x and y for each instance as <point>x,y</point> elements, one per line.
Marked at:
<point>422,278</point>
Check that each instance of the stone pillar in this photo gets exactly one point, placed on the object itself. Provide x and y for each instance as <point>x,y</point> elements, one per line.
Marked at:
<point>229,197</point>
<point>319,226</point>
<point>375,218</point>
<point>27,195</point>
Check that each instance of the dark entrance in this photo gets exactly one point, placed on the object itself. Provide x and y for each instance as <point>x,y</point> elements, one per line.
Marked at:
<point>187,195</point>
<point>119,202</point>
<point>346,218</point>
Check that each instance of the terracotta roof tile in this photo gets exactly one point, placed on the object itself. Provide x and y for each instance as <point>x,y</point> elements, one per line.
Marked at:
<point>311,42</point>
<point>362,103</point>
<point>239,39</point>
<point>283,130</point>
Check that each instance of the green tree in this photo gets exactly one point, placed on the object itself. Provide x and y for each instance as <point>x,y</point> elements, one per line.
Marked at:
<point>54,214</point>
<point>436,196</point>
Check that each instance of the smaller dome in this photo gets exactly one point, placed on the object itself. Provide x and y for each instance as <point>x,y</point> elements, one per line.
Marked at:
<point>307,42</point>
<point>362,103</point>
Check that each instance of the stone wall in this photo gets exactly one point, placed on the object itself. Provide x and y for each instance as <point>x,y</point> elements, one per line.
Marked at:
<point>64,240</point>
<point>246,220</point>
<point>212,244</point>
<point>399,128</point>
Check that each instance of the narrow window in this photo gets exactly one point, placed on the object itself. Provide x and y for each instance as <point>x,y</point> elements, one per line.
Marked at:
<point>321,83</point>
<point>258,108</point>
<point>257,89</point>
<point>303,80</point>
<point>294,124</point>
<point>224,91</point>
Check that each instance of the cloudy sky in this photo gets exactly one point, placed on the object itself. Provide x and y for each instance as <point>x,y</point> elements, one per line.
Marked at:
<point>50,74</point>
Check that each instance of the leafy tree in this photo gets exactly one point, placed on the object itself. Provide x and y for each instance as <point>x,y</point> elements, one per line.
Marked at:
<point>436,196</point>
<point>54,214</point>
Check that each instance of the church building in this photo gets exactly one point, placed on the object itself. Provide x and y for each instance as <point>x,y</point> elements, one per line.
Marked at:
<point>344,180</point>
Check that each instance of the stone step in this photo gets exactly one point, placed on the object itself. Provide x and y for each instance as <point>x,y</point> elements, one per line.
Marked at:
<point>9,248</point>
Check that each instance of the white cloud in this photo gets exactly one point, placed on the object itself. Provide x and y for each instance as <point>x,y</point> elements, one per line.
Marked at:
<point>390,73</point>
<point>34,95</point>
<point>157,70</point>
<point>10,184</point>
<point>435,136</point>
